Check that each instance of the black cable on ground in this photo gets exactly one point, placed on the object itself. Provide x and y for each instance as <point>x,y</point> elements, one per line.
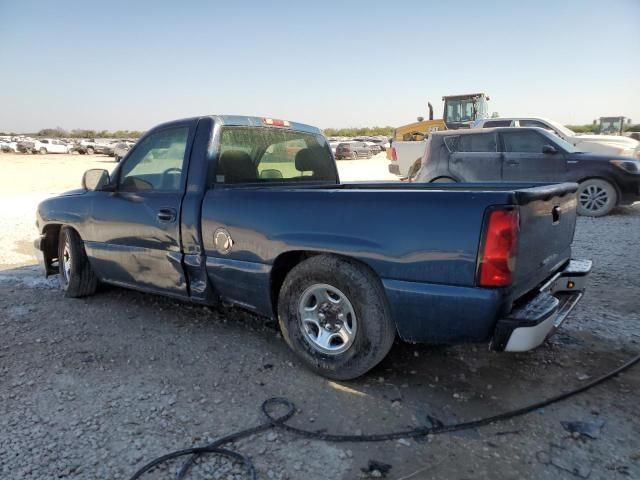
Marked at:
<point>280,422</point>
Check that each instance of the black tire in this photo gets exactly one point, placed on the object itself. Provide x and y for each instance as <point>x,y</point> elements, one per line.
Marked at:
<point>354,156</point>
<point>116,158</point>
<point>443,180</point>
<point>42,151</point>
<point>596,197</point>
<point>90,151</point>
<point>374,333</point>
<point>79,280</point>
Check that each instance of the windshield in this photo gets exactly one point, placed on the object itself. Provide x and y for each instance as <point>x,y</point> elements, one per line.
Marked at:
<point>559,141</point>
<point>610,125</point>
<point>561,128</point>
<point>460,111</point>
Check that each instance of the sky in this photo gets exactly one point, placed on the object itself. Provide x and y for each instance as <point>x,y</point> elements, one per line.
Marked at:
<point>131,65</point>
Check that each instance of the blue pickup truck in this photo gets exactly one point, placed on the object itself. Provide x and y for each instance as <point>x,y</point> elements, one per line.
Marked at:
<point>250,211</point>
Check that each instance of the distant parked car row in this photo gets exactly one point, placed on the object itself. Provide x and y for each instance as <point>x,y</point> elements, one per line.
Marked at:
<point>358,147</point>
<point>113,148</point>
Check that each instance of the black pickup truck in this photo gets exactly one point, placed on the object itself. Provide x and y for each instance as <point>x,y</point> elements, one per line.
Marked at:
<point>250,211</point>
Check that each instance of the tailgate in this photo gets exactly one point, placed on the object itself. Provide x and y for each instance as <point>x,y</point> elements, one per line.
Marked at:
<point>547,225</point>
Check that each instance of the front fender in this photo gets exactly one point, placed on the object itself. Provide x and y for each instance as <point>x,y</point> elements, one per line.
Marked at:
<point>71,208</point>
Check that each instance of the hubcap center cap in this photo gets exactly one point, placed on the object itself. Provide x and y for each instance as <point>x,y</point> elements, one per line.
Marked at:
<point>330,317</point>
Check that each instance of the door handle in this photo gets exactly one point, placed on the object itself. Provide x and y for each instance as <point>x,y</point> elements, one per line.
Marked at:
<point>167,214</point>
<point>512,162</point>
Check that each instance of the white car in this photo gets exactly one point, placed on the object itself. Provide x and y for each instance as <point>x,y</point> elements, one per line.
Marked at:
<point>8,146</point>
<point>601,144</point>
<point>43,146</point>
<point>405,157</point>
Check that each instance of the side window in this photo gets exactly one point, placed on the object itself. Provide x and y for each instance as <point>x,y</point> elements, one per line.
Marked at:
<point>497,123</point>
<point>523,141</point>
<point>44,141</point>
<point>452,141</point>
<point>156,163</point>
<point>485,142</point>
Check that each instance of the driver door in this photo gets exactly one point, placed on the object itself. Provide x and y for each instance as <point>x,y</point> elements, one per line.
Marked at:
<point>136,228</point>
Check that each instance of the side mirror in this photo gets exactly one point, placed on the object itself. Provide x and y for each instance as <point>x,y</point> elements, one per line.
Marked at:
<point>550,149</point>
<point>95,179</point>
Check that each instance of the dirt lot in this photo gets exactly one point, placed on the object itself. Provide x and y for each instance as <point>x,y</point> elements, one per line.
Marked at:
<point>94,388</point>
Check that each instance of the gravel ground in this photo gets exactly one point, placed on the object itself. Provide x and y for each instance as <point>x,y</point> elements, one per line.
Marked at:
<point>94,388</point>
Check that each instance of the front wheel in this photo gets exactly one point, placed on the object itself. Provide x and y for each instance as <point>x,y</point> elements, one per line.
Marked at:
<point>596,198</point>
<point>76,276</point>
<point>42,151</point>
<point>334,315</point>
<point>90,151</point>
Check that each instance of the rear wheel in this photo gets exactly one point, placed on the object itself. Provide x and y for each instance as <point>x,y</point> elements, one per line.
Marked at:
<point>334,315</point>
<point>90,151</point>
<point>354,155</point>
<point>596,197</point>
<point>76,276</point>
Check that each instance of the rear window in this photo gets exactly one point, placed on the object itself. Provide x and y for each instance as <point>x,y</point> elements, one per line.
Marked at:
<point>273,155</point>
<point>485,142</point>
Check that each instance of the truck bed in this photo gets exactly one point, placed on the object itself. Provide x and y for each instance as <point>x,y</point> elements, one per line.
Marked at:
<point>422,233</point>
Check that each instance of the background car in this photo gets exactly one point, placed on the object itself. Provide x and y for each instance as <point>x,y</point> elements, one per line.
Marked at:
<point>43,146</point>
<point>605,144</point>
<point>8,146</point>
<point>352,150</point>
<point>374,147</point>
<point>531,155</point>
<point>383,143</point>
<point>120,150</point>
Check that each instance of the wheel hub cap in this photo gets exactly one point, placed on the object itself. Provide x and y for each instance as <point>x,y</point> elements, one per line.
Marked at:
<point>327,319</point>
<point>593,198</point>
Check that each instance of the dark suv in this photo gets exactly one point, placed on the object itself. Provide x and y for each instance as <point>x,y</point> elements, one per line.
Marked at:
<point>353,150</point>
<point>531,154</point>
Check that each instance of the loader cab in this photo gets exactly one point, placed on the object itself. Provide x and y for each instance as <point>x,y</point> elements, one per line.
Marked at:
<point>461,111</point>
<point>611,125</point>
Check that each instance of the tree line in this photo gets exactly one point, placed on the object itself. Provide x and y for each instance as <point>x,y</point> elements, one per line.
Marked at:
<point>359,132</point>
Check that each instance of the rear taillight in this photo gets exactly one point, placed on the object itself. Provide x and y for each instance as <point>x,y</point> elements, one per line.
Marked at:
<point>498,256</point>
<point>394,156</point>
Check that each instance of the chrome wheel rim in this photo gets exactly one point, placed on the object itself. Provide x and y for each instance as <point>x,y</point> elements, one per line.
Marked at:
<point>327,319</point>
<point>594,198</point>
<point>66,261</point>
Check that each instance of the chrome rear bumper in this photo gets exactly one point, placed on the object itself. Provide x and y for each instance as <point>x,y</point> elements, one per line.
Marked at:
<point>529,324</point>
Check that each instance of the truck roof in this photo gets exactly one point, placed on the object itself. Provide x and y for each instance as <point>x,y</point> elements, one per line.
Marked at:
<point>245,121</point>
<point>471,131</point>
